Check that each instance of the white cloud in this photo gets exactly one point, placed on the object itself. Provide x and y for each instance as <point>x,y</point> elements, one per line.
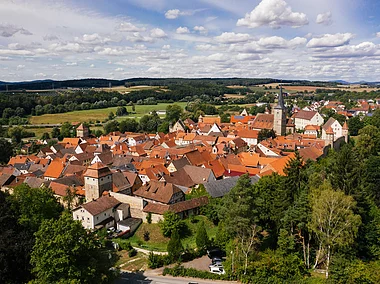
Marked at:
<point>273,13</point>
<point>19,67</point>
<point>72,64</point>
<point>247,56</point>
<point>119,69</point>
<point>166,46</point>
<point>154,69</point>
<point>200,29</point>
<point>330,40</point>
<point>364,49</point>
<point>279,42</point>
<point>92,66</point>
<point>50,37</point>
<point>40,75</point>
<point>182,30</point>
<point>217,57</point>
<point>5,58</point>
<point>8,30</point>
<point>324,19</point>
<point>231,37</point>
<point>93,39</point>
<point>172,14</point>
<point>378,34</point>
<point>175,13</point>
<point>138,37</point>
<point>15,52</point>
<point>157,33</point>
<point>128,27</point>
<point>70,47</point>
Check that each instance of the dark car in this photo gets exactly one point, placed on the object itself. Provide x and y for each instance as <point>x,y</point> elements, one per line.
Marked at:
<point>215,252</point>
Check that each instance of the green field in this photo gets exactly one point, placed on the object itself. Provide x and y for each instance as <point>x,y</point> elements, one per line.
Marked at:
<point>94,115</point>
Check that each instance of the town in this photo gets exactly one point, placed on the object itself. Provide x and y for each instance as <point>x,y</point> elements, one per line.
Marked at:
<point>119,181</point>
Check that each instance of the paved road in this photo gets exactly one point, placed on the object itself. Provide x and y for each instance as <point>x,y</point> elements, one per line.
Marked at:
<point>139,278</point>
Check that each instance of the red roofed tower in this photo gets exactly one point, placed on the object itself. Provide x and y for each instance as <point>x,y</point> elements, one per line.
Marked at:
<point>97,179</point>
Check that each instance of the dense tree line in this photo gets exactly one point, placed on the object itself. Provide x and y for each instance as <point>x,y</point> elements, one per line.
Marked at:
<point>321,215</point>
<point>41,243</point>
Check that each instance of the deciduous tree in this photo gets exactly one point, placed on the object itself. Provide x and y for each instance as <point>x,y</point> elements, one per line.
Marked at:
<point>333,221</point>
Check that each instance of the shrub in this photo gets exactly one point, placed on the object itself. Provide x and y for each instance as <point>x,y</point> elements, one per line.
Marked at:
<point>149,218</point>
<point>180,271</point>
<point>146,236</point>
<point>132,253</point>
<point>125,245</point>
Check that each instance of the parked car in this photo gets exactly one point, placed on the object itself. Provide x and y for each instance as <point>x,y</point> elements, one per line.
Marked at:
<point>216,265</point>
<point>217,270</point>
<point>216,260</point>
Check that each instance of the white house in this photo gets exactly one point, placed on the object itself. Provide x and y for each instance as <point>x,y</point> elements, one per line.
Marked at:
<point>105,211</point>
<point>336,127</point>
<point>303,118</point>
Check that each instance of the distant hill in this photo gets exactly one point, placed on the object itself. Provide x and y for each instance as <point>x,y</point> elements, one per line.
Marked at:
<point>105,83</point>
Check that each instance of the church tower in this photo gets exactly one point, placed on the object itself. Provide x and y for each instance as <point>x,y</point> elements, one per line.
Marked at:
<point>279,119</point>
<point>97,179</point>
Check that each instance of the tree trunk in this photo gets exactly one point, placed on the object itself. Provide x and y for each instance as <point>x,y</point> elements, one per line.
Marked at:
<point>246,264</point>
<point>317,256</point>
<point>308,253</point>
<point>328,261</point>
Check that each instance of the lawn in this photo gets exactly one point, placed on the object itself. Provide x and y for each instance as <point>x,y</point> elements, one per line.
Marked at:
<point>158,242</point>
<point>39,131</point>
<point>136,263</point>
<point>93,115</point>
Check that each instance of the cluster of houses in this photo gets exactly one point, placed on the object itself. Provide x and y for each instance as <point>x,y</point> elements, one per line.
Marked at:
<point>122,179</point>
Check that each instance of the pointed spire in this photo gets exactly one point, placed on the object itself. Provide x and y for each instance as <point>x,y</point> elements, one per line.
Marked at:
<point>345,126</point>
<point>280,104</point>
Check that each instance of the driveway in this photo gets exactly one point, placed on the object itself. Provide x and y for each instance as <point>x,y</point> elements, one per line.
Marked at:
<point>199,263</point>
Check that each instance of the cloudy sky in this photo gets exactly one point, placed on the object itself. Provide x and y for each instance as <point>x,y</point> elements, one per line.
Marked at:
<point>118,39</point>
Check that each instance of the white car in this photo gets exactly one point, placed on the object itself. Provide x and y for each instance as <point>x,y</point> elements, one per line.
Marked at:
<point>217,270</point>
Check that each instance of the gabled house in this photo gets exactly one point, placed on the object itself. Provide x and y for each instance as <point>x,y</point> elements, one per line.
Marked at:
<point>160,192</point>
<point>103,212</point>
<point>303,118</point>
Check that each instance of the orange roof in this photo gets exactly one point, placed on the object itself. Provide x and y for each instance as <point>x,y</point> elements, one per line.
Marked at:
<point>254,159</point>
<point>19,159</point>
<point>345,126</point>
<point>71,141</point>
<point>241,119</point>
<point>278,165</point>
<point>312,127</point>
<point>211,119</point>
<point>248,133</point>
<point>97,170</point>
<point>329,130</point>
<point>55,169</point>
<point>217,168</point>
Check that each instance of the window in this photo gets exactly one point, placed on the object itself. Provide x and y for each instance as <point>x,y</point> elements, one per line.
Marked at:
<point>105,214</point>
<point>77,217</point>
<point>82,218</point>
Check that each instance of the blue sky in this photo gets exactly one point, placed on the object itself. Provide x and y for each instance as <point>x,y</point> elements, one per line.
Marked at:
<point>118,39</point>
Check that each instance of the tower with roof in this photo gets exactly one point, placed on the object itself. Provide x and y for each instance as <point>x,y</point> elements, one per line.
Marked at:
<point>345,131</point>
<point>82,131</point>
<point>279,113</point>
<point>97,179</point>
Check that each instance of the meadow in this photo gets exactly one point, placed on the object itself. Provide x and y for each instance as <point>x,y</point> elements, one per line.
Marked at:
<point>93,115</point>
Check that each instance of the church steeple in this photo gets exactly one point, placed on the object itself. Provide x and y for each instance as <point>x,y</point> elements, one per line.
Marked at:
<point>279,111</point>
<point>280,103</point>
